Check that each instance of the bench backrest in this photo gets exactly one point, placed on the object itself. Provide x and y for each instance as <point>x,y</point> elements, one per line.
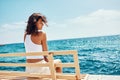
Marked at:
<point>50,64</point>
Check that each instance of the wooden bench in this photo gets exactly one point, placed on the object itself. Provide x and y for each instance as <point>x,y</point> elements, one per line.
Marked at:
<point>19,75</point>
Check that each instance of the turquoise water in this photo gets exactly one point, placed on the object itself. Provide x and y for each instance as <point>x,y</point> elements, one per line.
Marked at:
<point>97,55</point>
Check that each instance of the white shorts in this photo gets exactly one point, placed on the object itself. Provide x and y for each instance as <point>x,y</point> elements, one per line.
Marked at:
<point>41,70</point>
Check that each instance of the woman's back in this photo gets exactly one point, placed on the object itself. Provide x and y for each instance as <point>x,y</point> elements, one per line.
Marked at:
<point>33,44</point>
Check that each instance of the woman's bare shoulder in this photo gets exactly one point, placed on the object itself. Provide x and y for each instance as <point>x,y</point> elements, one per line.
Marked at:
<point>43,35</point>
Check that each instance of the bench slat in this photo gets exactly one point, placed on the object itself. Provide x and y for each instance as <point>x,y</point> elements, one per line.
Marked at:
<point>25,64</point>
<point>38,64</point>
<point>38,53</point>
<point>72,52</point>
<point>25,74</point>
<point>24,54</point>
<point>65,65</point>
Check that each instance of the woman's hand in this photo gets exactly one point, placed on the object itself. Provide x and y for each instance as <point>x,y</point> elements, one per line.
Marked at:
<point>46,59</point>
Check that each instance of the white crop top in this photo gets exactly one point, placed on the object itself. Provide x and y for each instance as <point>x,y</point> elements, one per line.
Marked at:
<point>32,47</point>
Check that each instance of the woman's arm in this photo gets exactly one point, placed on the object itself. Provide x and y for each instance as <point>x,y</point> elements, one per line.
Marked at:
<point>44,42</point>
<point>44,45</point>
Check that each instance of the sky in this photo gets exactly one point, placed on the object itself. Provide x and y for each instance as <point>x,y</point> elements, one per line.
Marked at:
<point>66,18</point>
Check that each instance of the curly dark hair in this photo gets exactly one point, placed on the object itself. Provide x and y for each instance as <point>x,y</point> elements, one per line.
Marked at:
<point>31,27</point>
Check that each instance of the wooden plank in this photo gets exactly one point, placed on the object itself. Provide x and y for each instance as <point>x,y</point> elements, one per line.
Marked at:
<point>44,53</point>
<point>52,67</point>
<point>65,65</point>
<point>59,76</point>
<point>24,74</point>
<point>63,52</point>
<point>66,76</point>
<point>69,76</point>
<point>25,54</point>
<point>25,64</point>
<point>77,68</point>
<point>5,77</point>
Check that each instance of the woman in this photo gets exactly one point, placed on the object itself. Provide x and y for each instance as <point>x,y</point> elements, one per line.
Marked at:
<point>35,41</point>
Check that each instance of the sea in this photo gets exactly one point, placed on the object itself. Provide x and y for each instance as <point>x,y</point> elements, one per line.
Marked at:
<point>97,55</point>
